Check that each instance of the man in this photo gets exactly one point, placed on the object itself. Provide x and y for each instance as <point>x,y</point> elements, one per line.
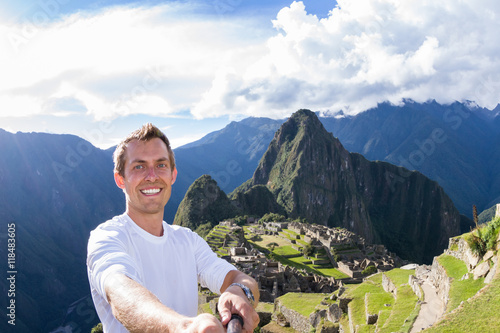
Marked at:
<point>144,273</point>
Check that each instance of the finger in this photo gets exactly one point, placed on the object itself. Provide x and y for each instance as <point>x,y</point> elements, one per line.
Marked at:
<point>251,320</point>
<point>225,316</point>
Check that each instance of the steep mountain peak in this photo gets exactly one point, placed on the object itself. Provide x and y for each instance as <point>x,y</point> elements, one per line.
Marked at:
<point>301,120</point>
<point>309,174</point>
<point>204,203</point>
<point>301,141</point>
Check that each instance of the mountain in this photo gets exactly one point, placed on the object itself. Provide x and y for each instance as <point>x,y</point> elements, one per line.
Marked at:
<point>203,203</point>
<point>54,189</point>
<point>457,145</point>
<point>229,156</point>
<point>311,175</point>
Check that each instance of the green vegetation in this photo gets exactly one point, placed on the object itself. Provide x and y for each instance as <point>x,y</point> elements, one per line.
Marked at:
<point>404,312</point>
<point>272,245</point>
<point>399,276</point>
<point>203,203</point>
<point>369,270</point>
<point>455,268</point>
<point>308,250</point>
<point>265,307</point>
<point>372,285</point>
<point>272,217</point>
<point>396,314</point>
<point>483,237</point>
<point>97,329</point>
<point>479,314</point>
<point>460,290</point>
<point>204,229</point>
<point>287,250</point>
<point>303,303</point>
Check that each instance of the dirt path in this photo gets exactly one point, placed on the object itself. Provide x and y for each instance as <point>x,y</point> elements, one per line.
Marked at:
<point>431,309</point>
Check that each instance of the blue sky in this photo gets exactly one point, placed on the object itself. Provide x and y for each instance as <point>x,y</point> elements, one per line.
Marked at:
<point>100,69</point>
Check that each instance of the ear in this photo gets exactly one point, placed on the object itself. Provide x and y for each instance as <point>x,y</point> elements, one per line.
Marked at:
<point>119,180</point>
<point>174,175</point>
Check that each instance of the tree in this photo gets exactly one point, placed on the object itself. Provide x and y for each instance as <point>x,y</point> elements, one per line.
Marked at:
<point>97,329</point>
<point>308,250</point>
<point>272,245</point>
<point>272,217</point>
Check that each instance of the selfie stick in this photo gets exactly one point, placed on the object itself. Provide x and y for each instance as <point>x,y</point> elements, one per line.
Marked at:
<point>235,324</point>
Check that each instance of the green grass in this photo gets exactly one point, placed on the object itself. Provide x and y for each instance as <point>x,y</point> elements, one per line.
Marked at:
<point>383,315</point>
<point>459,290</point>
<point>300,260</point>
<point>291,232</point>
<point>286,250</point>
<point>480,314</point>
<point>303,303</point>
<point>377,301</point>
<point>302,242</point>
<point>455,268</point>
<point>330,271</point>
<point>265,307</point>
<point>275,328</point>
<point>404,308</point>
<point>399,276</point>
<point>372,285</point>
<point>205,308</point>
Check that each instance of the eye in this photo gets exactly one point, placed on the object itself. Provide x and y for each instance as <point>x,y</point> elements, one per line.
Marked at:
<point>162,165</point>
<point>138,167</point>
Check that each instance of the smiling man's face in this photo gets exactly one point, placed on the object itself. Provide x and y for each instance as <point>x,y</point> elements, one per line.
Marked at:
<point>147,177</point>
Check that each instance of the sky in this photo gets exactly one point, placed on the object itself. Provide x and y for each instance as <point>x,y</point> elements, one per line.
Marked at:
<point>101,69</point>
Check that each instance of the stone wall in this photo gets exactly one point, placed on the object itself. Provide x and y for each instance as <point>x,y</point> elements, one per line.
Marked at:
<point>415,286</point>
<point>297,321</point>
<point>441,281</point>
<point>459,248</point>
<point>388,285</point>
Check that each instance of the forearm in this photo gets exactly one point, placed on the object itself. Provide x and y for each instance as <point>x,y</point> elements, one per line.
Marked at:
<point>239,277</point>
<point>138,309</point>
<point>233,300</point>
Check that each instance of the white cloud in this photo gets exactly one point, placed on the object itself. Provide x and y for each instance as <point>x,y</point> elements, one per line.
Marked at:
<point>117,61</point>
<point>365,52</point>
<point>167,59</point>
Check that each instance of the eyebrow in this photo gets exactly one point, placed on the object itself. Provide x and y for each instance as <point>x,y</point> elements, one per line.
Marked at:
<point>138,160</point>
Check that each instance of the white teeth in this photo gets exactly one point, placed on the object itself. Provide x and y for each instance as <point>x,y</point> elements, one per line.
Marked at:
<point>151,191</point>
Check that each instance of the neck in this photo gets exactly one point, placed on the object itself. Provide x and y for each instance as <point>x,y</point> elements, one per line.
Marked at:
<point>152,223</point>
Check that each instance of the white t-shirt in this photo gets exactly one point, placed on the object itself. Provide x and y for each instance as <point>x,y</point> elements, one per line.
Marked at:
<point>169,266</point>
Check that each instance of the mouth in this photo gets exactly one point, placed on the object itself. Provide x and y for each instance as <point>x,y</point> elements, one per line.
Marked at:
<point>151,191</point>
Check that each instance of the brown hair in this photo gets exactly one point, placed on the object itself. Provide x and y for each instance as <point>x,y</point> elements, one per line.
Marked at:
<point>145,133</point>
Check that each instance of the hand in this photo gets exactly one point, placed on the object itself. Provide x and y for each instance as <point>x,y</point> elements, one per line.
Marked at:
<point>203,323</point>
<point>234,300</point>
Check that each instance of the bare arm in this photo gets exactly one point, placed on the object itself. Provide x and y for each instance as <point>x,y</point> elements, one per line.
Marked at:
<point>234,300</point>
<point>141,311</point>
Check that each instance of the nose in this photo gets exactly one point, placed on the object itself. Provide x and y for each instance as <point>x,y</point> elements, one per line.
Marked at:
<point>151,176</point>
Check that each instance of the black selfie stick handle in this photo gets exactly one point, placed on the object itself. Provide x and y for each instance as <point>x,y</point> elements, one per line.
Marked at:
<point>235,324</point>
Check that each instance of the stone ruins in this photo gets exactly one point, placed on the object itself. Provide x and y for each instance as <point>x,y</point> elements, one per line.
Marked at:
<point>345,251</point>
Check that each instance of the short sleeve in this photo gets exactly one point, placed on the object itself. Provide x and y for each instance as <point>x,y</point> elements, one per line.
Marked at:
<point>212,270</point>
<point>106,254</point>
